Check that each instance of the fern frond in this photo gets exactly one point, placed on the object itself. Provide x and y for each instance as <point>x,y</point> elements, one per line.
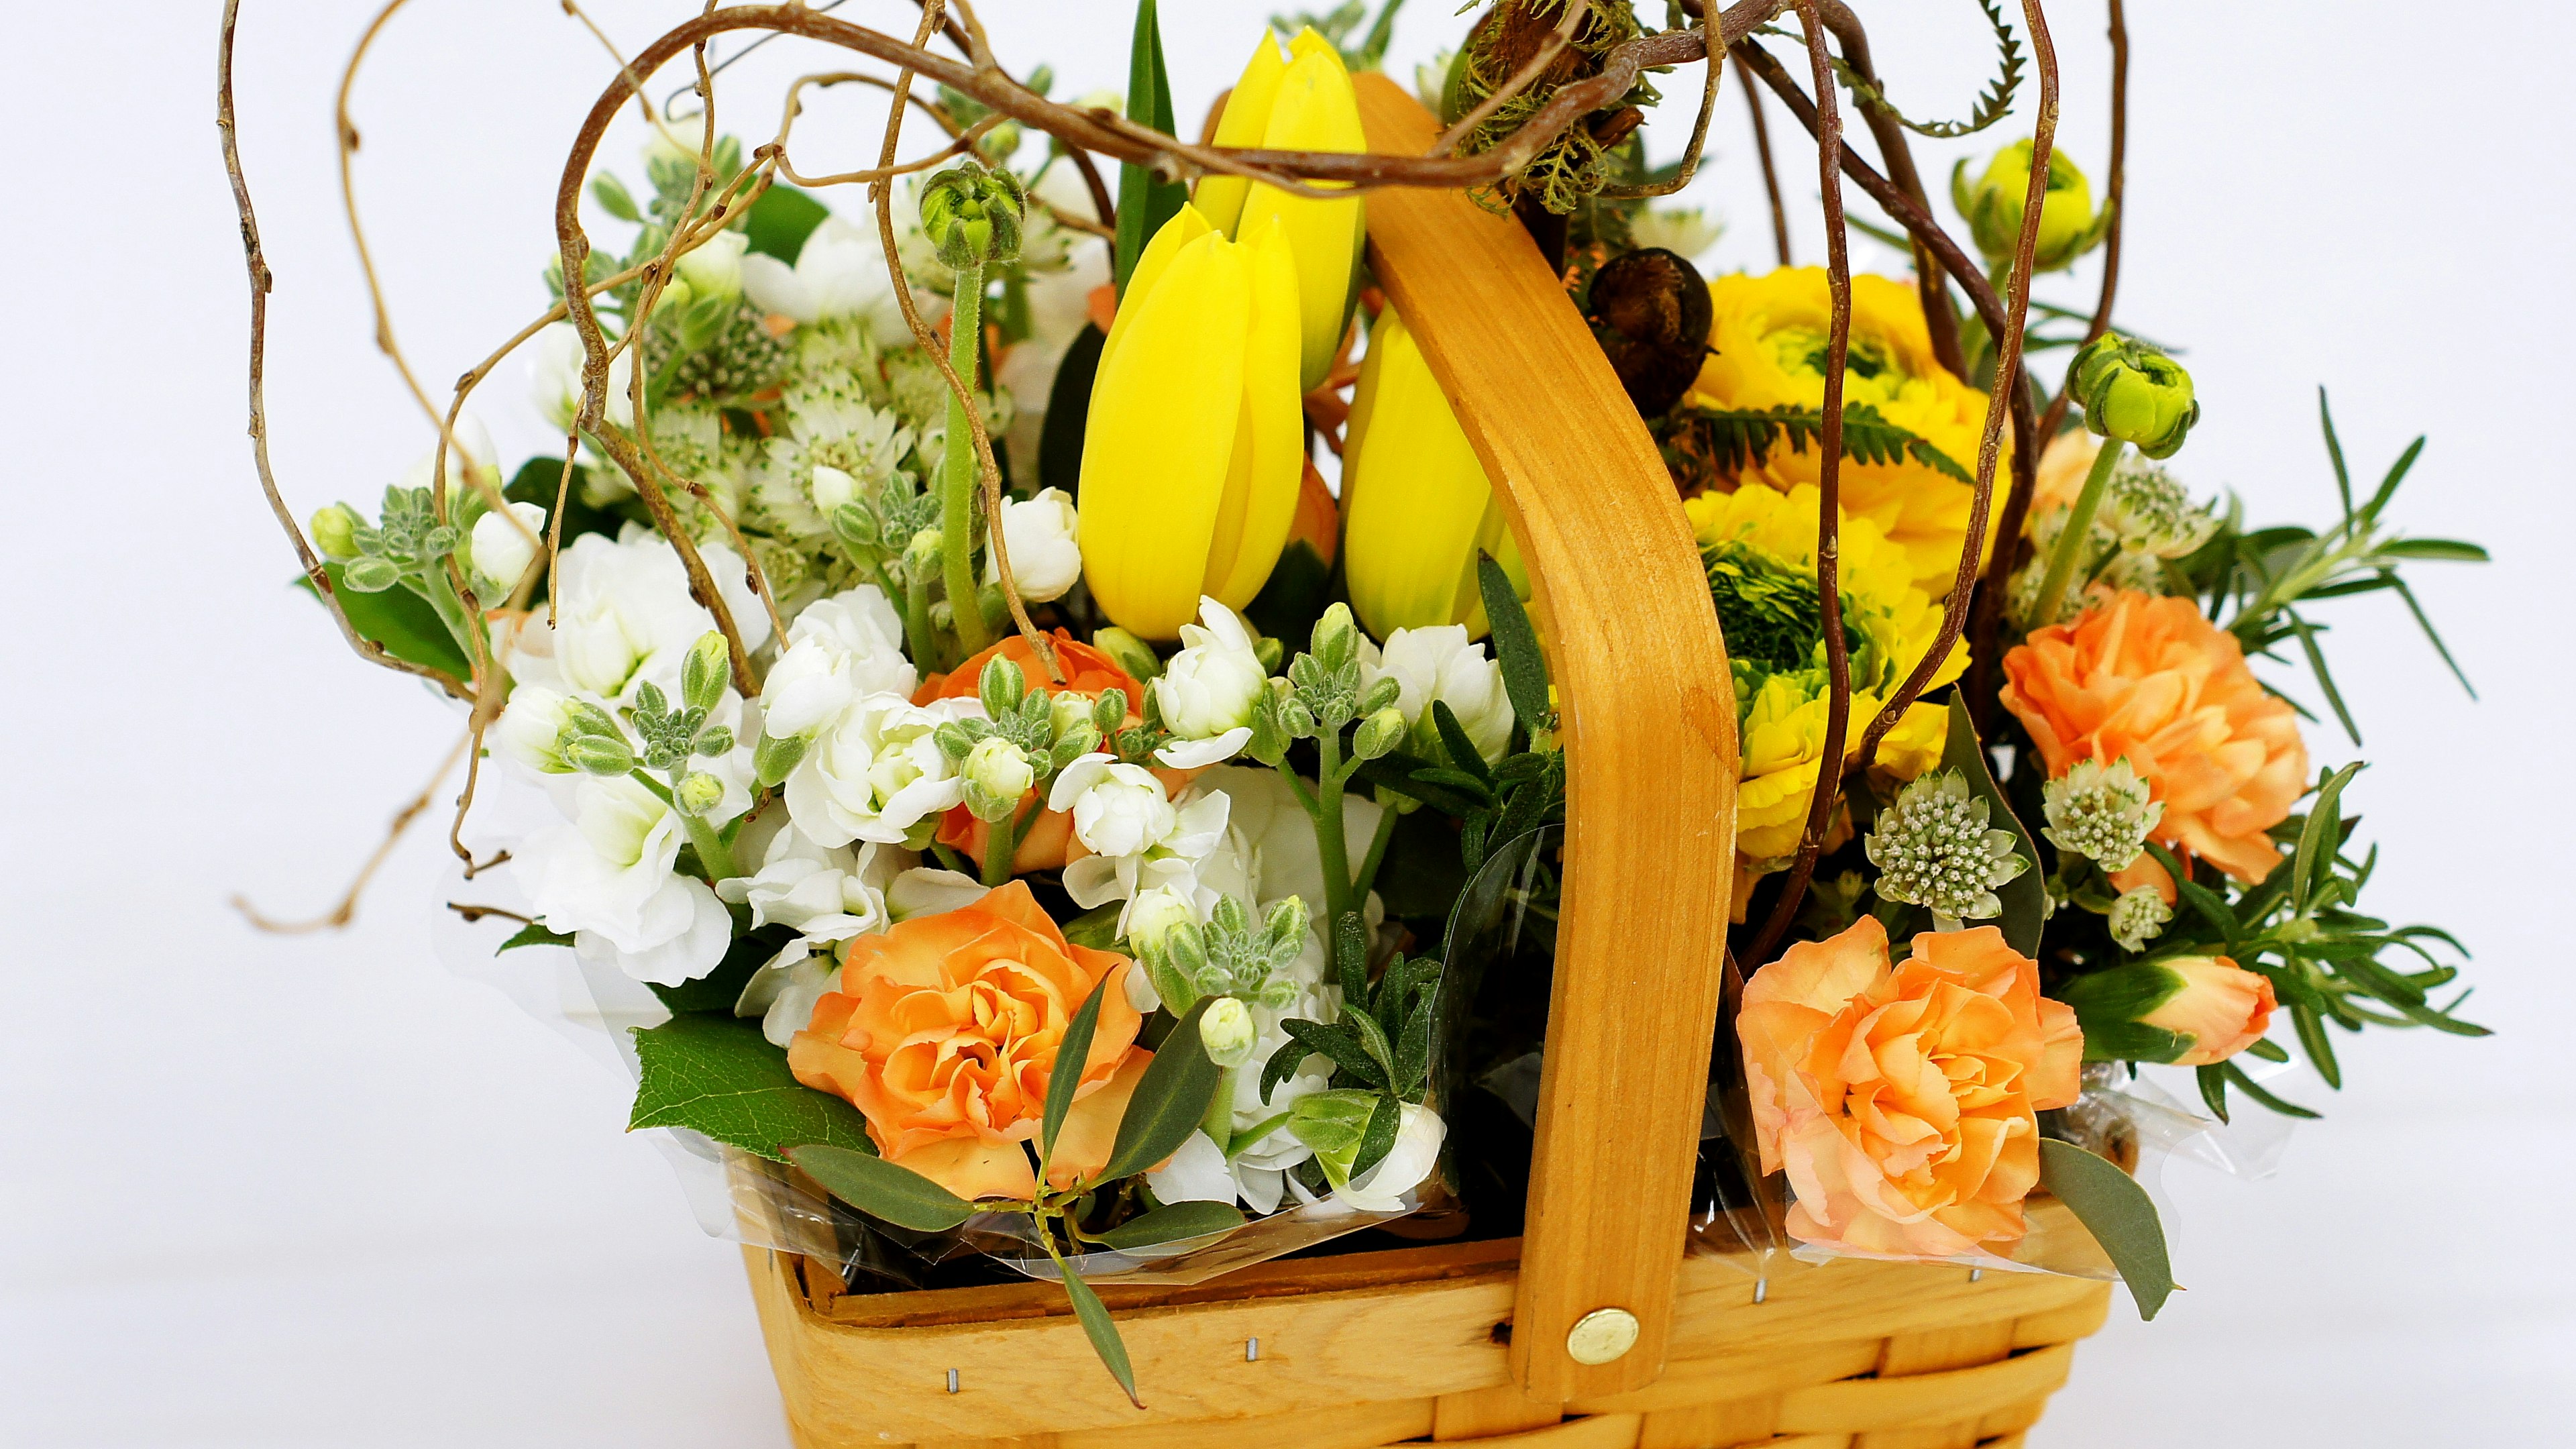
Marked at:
<point>1993,104</point>
<point>1732,440</point>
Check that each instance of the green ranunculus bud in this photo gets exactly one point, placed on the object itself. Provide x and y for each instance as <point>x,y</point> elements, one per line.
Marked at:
<point>2068,225</point>
<point>700,792</point>
<point>973,215</point>
<point>2135,393</point>
<point>335,532</point>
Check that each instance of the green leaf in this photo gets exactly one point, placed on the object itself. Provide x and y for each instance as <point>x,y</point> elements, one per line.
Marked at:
<point>2425,623</point>
<point>2132,1041</point>
<point>1074,1048</point>
<point>1097,929</point>
<point>1341,1041</point>
<point>780,221</point>
<point>2213,1089</point>
<point>399,621</point>
<point>2312,1036</point>
<point>2343,477</point>
<point>2025,896</point>
<point>2434,550</point>
<point>2237,1078</point>
<point>719,989</point>
<point>2199,897</point>
<point>1515,645</point>
<point>1170,1099</point>
<point>1379,1139</point>
<point>880,1189</point>
<point>1097,1325</point>
<point>2388,485</point>
<point>533,934</point>
<point>718,1075</point>
<point>1174,1223</point>
<point>2119,1214</point>
<point>2269,1050</point>
<point>1145,200</point>
<point>2320,837</point>
<point>2307,633</point>
<point>1462,750</point>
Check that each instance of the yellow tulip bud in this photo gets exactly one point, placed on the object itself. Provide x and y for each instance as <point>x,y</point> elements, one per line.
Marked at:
<point>1418,504</point>
<point>1302,103</point>
<point>1191,457</point>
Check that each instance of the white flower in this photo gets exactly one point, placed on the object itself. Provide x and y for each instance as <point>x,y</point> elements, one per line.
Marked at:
<point>1206,694</point>
<point>1685,231</point>
<point>926,892</point>
<point>713,268</point>
<point>554,378</point>
<point>840,650</point>
<point>1440,664</point>
<point>625,615</point>
<point>1117,809</point>
<point>1041,534</point>
<point>1268,853</point>
<point>840,272</point>
<point>998,768</point>
<point>608,877</point>
<point>825,893</point>
<point>1228,1032</point>
<point>502,550</point>
<point>782,993</point>
<point>831,488</point>
<point>1059,307</point>
<point>874,773</point>
<point>529,726</point>
<point>1416,1152</point>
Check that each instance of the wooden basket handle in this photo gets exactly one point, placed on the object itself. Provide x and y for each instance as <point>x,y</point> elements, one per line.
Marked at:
<point>1648,724</point>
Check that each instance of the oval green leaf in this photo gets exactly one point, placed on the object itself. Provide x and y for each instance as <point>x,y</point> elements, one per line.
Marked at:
<point>880,1189</point>
<point>1174,1223</point>
<point>2119,1214</point>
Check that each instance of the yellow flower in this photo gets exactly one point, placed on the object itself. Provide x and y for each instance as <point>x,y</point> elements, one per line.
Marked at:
<point>1302,103</point>
<point>1425,507</point>
<point>1191,457</point>
<point>1767,350</point>
<point>1760,549</point>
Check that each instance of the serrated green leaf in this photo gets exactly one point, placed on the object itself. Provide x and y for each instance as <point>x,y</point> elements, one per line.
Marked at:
<point>2025,896</point>
<point>1516,648</point>
<point>880,1189</point>
<point>1173,1223</point>
<point>719,1076</point>
<point>1073,1049</point>
<point>2119,1215</point>
<point>1169,1101</point>
<point>533,934</point>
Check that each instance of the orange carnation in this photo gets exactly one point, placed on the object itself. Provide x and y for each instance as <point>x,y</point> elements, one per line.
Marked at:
<point>1048,843</point>
<point>944,1033</point>
<point>2152,681</point>
<point>1902,1099</point>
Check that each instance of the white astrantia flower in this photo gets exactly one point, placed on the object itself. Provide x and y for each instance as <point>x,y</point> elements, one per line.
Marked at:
<point>2101,813</point>
<point>1043,536</point>
<point>1440,664</point>
<point>840,650</point>
<point>1933,847</point>
<point>625,616</point>
<point>554,378</point>
<point>502,549</point>
<point>875,772</point>
<point>2137,917</point>
<point>825,893</point>
<point>1207,691</point>
<point>830,425</point>
<point>783,991</point>
<point>608,877</point>
<point>839,273</point>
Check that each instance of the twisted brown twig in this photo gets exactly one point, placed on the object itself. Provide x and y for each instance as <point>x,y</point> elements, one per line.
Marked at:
<point>1770,173</point>
<point>1896,156</point>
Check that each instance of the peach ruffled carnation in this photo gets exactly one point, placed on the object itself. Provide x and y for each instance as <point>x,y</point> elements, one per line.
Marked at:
<point>1901,1098</point>
<point>2152,681</point>
<point>944,1033</point>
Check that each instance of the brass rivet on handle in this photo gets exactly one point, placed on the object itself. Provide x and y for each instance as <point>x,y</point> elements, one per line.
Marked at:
<point>1601,1335</point>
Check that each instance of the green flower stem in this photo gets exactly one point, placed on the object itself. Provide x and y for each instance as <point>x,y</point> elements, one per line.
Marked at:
<point>917,633</point>
<point>1329,841</point>
<point>2079,524</point>
<point>1376,853</point>
<point>957,481</point>
<point>1244,1140</point>
<point>714,855</point>
<point>1218,1123</point>
<point>1002,841</point>
<point>432,584</point>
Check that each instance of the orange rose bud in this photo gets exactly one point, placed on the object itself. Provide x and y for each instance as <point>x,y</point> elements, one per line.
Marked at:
<point>1902,1099</point>
<point>2153,681</point>
<point>944,1034</point>
<point>2222,1007</point>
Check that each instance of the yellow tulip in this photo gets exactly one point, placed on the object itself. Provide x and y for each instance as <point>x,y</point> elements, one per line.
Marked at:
<point>1301,103</point>
<point>1195,443</point>
<point>1418,504</point>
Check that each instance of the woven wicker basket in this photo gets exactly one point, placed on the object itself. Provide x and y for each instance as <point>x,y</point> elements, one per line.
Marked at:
<point>1471,1341</point>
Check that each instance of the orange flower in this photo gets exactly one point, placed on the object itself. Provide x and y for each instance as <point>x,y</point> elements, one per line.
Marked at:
<point>2152,681</point>
<point>2222,1007</point>
<point>1090,673</point>
<point>1901,1100</point>
<point>944,1033</point>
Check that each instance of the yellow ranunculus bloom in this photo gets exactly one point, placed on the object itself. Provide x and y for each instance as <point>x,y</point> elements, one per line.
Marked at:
<point>1302,103</point>
<point>1767,350</point>
<point>1760,549</point>
<point>1415,497</point>
<point>1191,457</point>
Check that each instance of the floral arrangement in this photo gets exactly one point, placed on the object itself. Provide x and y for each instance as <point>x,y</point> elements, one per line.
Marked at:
<point>1052,818</point>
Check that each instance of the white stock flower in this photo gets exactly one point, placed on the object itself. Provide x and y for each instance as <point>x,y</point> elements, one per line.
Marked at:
<point>824,893</point>
<point>840,650</point>
<point>607,876</point>
<point>1685,231</point>
<point>1117,809</point>
<point>839,273</point>
<point>1207,692</point>
<point>529,726</point>
<point>782,992</point>
<point>625,615</point>
<point>1269,853</point>
<point>502,550</point>
<point>923,891</point>
<point>554,378</point>
<point>1440,664</point>
<point>1042,535</point>
<point>1416,1152</point>
<point>714,267</point>
<point>999,768</point>
<point>874,773</point>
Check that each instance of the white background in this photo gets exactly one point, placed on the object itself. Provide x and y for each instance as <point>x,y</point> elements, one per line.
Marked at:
<point>319,1190</point>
